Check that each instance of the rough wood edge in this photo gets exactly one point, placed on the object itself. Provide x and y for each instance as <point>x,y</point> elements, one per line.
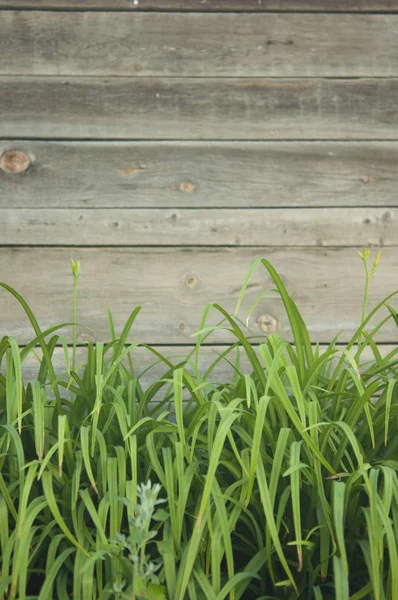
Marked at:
<point>356,6</point>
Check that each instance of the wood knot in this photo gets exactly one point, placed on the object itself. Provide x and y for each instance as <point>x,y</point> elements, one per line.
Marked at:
<point>186,186</point>
<point>14,161</point>
<point>86,338</point>
<point>191,281</point>
<point>267,323</point>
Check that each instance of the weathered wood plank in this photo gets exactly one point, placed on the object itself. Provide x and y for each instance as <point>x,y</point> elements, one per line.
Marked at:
<point>194,175</point>
<point>143,359</point>
<point>210,5</point>
<point>157,108</point>
<point>173,285</point>
<point>152,44</point>
<point>184,227</point>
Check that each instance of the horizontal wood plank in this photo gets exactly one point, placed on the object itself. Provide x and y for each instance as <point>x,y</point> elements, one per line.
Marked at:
<point>197,45</point>
<point>210,5</point>
<point>162,108</point>
<point>194,175</point>
<point>143,359</point>
<point>174,285</point>
<point>184,227</point>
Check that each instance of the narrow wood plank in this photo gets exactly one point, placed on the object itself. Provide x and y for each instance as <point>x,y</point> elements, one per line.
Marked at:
<point>143,359</point>
<point>198,44</point>
<point>174,285</point>
<point>184,227</point>
<point>210,5</point>
<point>194,175</point>
<point>158,108</point>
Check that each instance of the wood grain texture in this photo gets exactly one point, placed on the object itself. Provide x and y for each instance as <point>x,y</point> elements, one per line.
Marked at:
<point>205,174</point>
<point>197,44</point>
<point>161,108</point>
<point>321,227</point>
<point>210,5</point>
<point>143,359</point>
<point>174,285</point>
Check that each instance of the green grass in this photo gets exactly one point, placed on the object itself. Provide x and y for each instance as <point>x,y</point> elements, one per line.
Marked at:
<point>278,483</point>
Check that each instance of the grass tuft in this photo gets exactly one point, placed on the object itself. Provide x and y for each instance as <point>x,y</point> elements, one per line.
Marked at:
<point>279,482</point>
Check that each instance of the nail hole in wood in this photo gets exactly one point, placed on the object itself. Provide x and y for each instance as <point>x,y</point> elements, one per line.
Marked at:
<point>191,281</point>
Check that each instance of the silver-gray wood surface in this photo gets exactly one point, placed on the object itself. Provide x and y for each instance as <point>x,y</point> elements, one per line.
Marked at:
<point>173,286</point>
<point>202,227</point>
<point>198,108</point>
<point>202,128</point>
<point>198,45</point>
<point>54,174</point>
<point>210,5</point>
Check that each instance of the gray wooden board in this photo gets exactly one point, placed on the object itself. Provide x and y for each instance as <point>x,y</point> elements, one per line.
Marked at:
<point>143,359</point>
<point>198,44</point>
<point>209,5</point>
<point>198,108</point>
<point>204,174</point>
<point>200,227</point>
<point>174,285</point>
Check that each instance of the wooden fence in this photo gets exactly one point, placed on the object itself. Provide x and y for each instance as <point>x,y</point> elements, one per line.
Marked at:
<point>167,144</point>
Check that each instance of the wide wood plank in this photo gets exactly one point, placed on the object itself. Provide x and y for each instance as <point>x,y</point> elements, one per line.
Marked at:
<point>198,44</point>
<point>174,285</point>
<point>143,359</point>
<point>162,108</point>
<point>210,5</point>
<point>193,175</point>
<point>184,227</point>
